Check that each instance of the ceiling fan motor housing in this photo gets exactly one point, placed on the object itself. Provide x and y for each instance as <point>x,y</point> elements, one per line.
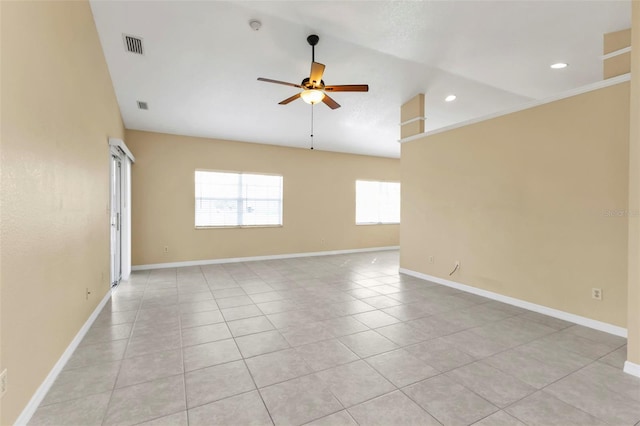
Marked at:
<point>308,85</point>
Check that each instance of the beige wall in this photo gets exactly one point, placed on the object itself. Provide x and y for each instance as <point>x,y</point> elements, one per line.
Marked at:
<point>619,64</point>
<point>616,40</point>
<point>58,108</point>
<point>319,199</point>
<point>413,108</point>
<point>520,201</point>
<point>633,326</point>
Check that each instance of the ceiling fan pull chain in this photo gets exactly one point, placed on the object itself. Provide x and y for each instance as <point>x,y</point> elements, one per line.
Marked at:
<point>311,126</point>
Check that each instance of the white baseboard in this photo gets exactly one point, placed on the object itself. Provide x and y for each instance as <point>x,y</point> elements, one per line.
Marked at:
<point>576,319</point>
<point>632,368</point>
<point>39,395</point>
<point>254,258</point>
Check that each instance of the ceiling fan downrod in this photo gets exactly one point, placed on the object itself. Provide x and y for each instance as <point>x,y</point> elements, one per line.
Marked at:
<point>313,40</point>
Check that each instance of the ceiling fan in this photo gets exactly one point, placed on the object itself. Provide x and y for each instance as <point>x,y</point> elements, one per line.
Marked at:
<point>313,87</point>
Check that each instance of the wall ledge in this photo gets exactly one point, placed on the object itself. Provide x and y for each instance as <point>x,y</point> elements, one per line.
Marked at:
<point>616,53</point>
<point>576,319</point>
<point>411,120</point>
<point>533,104</point>
<point>632,368</point>
<point>38,396</point>
<point>255,258</point>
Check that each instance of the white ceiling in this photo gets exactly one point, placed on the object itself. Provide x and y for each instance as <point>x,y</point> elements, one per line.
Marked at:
<point>202,60</point>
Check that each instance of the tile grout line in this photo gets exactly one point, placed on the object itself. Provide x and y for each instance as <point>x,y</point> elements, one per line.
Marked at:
<point>256,385</point>
<point>438,375</point>
<point>104,417</point>
<point>174,375</point>
<point>184,370</point>
<point>249,371</point>
<point>537,389</point>
<point>574,372</point>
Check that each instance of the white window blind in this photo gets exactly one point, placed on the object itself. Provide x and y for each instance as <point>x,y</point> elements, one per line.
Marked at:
<point>237,199</point>
<point>377,202</point>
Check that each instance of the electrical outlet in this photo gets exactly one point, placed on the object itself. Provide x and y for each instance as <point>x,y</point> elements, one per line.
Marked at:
<point>431,259</point>
<point>166,249</point>
<point>596,293</point>
<point>3,382</point>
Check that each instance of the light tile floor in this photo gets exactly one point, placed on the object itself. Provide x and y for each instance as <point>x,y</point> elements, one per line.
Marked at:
<point>334,340</point>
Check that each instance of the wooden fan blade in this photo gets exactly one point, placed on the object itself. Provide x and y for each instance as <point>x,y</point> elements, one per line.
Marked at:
<point>291,99</point>
<point>268,80</point>
<point>317,69</point>
<point>348,88</point>
<point>330,102</point>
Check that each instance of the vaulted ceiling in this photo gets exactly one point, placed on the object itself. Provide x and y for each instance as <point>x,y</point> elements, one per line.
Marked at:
<point>201,61</point>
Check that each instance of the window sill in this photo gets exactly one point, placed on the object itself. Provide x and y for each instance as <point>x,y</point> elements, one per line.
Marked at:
<point>378,223</point>
<point>238,227</point>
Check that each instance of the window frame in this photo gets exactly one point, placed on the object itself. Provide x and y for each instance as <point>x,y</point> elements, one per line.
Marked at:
<point>238,173</point>
<point>377,223</point>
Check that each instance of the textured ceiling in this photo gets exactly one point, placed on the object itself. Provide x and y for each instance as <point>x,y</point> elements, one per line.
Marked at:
<point>201,61</point>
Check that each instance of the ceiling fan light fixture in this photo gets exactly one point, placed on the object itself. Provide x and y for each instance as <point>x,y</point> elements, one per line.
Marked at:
<point>312,96</point>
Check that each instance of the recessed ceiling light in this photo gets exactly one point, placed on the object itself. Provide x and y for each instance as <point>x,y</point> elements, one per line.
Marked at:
<point>559,66</point>
<point>450,98</point>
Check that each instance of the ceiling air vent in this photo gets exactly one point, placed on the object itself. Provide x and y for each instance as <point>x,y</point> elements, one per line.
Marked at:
<point>143,105</point>
<point>133,44</point>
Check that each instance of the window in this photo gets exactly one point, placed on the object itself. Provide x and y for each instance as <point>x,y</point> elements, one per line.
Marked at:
<point>238,199</point>
<point>377,202</point>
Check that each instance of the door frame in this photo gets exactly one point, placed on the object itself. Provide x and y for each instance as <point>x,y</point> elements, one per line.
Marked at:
<point>118,148</point>
<point>115,216</point>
